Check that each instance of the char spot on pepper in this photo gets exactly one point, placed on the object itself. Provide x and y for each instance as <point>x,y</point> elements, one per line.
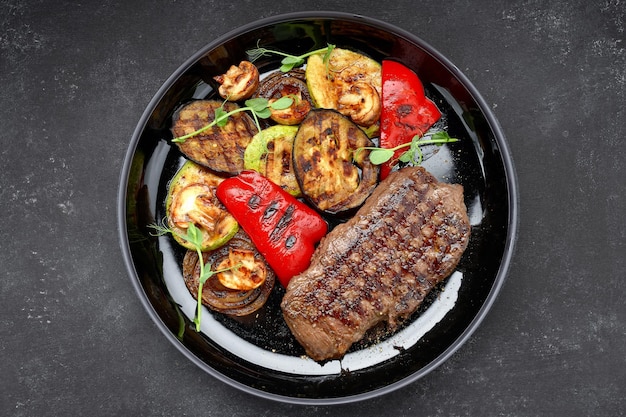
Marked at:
<point>290,241</point>
<point>270,210</point>
<point>254,201</point>
<point>404,110</point>
<point>283,223</point>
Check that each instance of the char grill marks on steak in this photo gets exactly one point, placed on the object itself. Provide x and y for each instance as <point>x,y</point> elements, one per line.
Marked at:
<point>378,266</point>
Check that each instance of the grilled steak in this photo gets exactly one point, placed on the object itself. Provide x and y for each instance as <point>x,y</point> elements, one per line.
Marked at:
<point>378,266</point>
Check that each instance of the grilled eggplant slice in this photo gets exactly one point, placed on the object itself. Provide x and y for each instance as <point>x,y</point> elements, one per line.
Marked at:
<point>332,175</point>
<point>349,83</point>
<point>252,267</point>
<point>270,154</point>
<point>191,199</point>
<point>219,148</point>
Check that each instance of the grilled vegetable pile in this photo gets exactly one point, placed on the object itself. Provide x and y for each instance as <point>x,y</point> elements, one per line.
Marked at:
<point>277,159</point>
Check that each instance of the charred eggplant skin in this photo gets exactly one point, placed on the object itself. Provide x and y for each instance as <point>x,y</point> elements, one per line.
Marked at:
<point>332,175</point>
<point>219,148</point>
<point>191,198</point>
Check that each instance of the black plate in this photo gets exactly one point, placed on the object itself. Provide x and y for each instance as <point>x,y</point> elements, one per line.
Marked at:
<point>259,355</point>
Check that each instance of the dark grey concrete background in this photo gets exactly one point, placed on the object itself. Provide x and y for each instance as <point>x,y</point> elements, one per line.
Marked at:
<point>75,78</point>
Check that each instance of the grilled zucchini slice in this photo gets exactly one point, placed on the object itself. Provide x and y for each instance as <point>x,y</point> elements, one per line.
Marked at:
<point>333,177</point>
<point>191,199</point>
<point>349,83</point>
<point>218,148</point>
<point>269,153</point>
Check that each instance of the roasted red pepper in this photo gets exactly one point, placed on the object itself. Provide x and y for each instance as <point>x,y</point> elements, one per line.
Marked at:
<point>406,111</point>
<point>283,229</point>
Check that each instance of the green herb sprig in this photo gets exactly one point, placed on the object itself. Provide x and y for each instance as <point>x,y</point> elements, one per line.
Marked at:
<point>259,107</point>
<point>414,154</point>
<point>193,236</point>
<point>289,61</point>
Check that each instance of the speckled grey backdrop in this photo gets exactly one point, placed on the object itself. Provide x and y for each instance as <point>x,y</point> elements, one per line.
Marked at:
<point>76,76</point>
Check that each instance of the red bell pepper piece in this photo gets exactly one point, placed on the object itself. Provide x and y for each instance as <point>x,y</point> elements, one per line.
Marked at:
<point>283,229</point>
<point>406,111</point>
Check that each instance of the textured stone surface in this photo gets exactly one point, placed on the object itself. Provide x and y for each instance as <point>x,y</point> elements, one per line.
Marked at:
<point>75,79</point>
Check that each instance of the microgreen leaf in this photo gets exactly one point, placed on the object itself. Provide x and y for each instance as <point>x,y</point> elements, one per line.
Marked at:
<point>206,274</point>
<point>380,156</point>
<point>264,114</point>
<point>257,104</point>
<point>289,62</point>
<point>221,117</point>
<point>293,60</point>
<point>405,157</point>
<point>194,235</point>
<point>282,103</point>
<point>442,136</point>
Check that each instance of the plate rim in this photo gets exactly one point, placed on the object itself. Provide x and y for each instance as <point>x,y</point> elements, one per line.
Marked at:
<point>499,137</point>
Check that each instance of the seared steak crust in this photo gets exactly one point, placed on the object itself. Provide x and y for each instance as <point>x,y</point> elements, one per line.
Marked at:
<point>378,266</point>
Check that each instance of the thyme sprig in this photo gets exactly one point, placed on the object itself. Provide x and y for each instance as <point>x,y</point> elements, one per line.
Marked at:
<point>259,107</point>
<point>289,61</point>
<point>414,154</point>
<point>193,236</point>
